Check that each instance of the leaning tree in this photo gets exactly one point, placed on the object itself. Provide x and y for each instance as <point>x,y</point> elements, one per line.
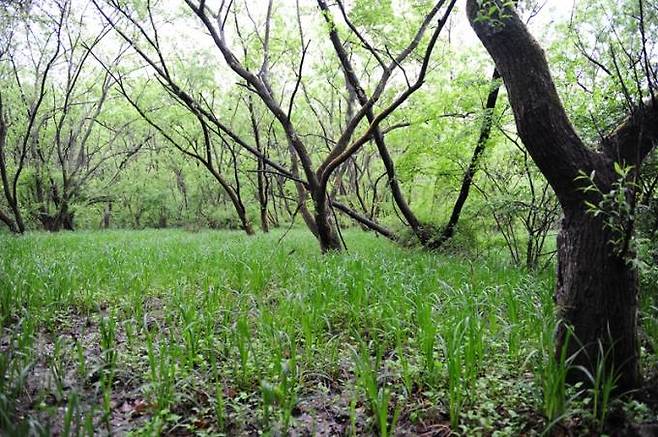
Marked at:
<point>597,286</point>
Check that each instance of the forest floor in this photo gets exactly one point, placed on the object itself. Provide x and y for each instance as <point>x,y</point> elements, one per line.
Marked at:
<point>205,333</point>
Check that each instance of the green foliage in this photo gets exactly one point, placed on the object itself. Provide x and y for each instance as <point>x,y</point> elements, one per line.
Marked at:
<point>615,207</point>
<point>229,311</point>
<point>257,327</point>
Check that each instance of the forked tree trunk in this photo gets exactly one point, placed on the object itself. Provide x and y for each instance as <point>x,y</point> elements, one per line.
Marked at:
<point>596,288</point>
<point>236,201</point>
<point>424,234</point>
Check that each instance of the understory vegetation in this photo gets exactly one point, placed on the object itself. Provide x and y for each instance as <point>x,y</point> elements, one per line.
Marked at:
<point>178,332</point>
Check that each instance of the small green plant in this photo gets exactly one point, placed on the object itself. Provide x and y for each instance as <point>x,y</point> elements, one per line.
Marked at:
<point>83,372</point>
<point>162,373</point>
<point>513,329</point>
<point>454,341</point>
<point>71,414</point>
<point>615,206</point>
<point>418,329</point>
<point>281,391</point>
<point>107,332</point>
<point>379,397</point>
<point>242,339</point>
<point>353,402</point>
<point>603,383</point>
<point>57,367</point>
<point>426,335</point>
<point>405,370</point>
<point>553,371</point>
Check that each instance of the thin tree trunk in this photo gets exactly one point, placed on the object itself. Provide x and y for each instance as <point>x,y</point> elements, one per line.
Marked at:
<point>107,216</point>
<point>235,200</point>
<point>262,195</point>
<point>302,194</point>
<point>261,181</point>
<point>485,133</point>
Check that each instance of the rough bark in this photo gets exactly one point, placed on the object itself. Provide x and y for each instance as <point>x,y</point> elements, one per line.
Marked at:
<point>597,295</point>
<point>596,288</point>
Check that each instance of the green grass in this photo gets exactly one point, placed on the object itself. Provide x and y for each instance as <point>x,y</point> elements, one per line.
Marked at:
<point>216,332</point>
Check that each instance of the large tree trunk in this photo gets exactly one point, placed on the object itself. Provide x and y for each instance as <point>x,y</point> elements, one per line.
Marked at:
<point>66,218</point>
<point>596,288</point>
<point>597,297</point>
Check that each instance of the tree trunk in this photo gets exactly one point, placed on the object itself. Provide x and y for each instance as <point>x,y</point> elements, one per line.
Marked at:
<point>597,297</point>
<point>262,187</point>
<point>596,288</point>
<point>9,222</point>
<point>162,220</point>
<point>302,194</point>
<point>467,181</point>
<point>63,219</point>
<point>261,177</point>
<point>107,216</point>
<point>246,223</point>
<point>66,219</point>
<point>356,91</point>
<point>235,200</point>
<point>327,235</point>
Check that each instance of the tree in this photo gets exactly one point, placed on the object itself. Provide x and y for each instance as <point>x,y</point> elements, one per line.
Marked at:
<point>73,140</point>
<point>312,179</point>
<point>597,286</point>
<point>16,136</point>
<point>318,177</point>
